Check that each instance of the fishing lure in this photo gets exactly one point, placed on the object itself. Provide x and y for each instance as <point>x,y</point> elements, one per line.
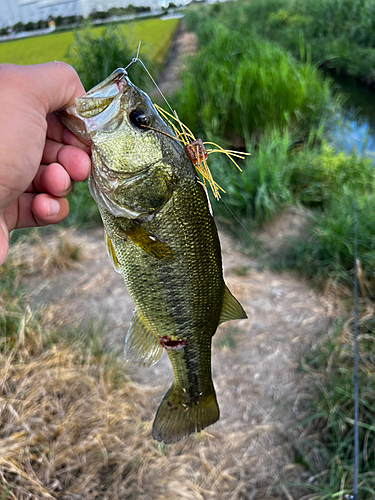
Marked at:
<point>195,148</point>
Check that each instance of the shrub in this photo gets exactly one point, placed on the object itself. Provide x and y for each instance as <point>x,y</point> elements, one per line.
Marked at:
<point>316,178</point>
<point>328,254</point>
<point>94,58</point>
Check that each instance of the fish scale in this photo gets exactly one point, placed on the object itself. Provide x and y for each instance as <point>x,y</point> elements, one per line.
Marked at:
<point>161,236</point>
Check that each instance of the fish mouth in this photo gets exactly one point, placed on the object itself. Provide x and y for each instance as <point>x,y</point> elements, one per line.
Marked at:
<point>100,97</point>
<point>117,82</point>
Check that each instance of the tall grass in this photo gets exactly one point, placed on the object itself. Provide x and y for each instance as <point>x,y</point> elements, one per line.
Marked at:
<point>330,412</point>
<point>340,34</point>
<point>94,58</point>
<point>328,254</point>
<point>238,87</point>
<point>262,188</point>
<point>336,34</point>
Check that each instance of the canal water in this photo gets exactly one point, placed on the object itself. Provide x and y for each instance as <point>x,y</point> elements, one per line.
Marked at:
<point>356,129</point>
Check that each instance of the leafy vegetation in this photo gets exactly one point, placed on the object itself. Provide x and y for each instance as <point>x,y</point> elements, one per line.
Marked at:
<point>292,163</point>
<point>336,34</point>
<point>241,89</point>
<point>328,254</point>
<point>238,87</point>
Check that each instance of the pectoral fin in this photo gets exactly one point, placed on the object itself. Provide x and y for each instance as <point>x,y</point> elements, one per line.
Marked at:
<point>141,345</point>
<point>111,252</point>
<point>231,309</point>
<point>146,240</point>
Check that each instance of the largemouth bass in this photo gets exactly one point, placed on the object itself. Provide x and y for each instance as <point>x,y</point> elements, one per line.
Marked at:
<point>161,236</point>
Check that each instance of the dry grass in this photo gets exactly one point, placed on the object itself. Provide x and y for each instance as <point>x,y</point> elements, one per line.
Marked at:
<point>327,440</point>
<point>33,254</point>
<point>74,427</point>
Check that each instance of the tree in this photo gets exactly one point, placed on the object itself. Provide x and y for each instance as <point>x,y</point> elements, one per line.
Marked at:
<point>18,27</point>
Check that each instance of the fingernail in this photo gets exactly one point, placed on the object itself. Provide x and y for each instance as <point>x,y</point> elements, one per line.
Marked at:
<point>53,207</point>
<point>67,182</point>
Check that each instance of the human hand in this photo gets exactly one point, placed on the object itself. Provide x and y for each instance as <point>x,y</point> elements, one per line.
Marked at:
<point>39,157</point>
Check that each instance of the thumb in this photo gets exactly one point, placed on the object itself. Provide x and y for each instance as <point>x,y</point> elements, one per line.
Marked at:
<point>28,94</point>
<point>53,85</point>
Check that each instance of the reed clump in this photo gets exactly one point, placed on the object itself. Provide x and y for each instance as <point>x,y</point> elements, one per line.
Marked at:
<point>239,86</point>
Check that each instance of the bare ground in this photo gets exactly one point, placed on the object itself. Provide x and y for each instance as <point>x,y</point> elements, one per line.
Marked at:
<point>254,360</point>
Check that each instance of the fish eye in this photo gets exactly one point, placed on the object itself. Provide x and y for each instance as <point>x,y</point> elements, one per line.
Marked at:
<point>139,118</point>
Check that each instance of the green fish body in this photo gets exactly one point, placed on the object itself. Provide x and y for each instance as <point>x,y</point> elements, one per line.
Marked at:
<point>160,234</point>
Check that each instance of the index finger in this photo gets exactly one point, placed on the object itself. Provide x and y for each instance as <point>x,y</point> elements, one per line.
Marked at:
<point>57,132</point>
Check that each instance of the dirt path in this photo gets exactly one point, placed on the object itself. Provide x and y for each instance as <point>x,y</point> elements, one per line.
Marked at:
<point>253,360</point>
<point>183,44</point>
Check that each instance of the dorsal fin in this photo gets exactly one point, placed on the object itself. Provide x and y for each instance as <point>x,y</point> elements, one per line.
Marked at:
<point>141,345</point>
<point>231,309</point>
<point>111,252</point>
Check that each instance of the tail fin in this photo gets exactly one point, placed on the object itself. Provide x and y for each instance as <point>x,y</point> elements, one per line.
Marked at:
<point>176,419</point>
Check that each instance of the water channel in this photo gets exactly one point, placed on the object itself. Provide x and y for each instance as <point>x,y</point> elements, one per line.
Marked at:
<point>358,127</point>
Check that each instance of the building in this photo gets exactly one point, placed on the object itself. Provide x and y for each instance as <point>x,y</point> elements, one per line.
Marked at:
<point>13,11</point>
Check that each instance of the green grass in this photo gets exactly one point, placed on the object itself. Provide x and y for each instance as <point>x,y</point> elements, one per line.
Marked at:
<point>240,86</point>
<point>36,50</point>
<point>261,189</point>
<point>328,254</point>
<point>329,412</point>
<point>337,34</point>
<point>155,35</point>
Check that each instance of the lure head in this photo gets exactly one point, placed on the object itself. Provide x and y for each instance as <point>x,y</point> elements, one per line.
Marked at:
<point>196,152</point>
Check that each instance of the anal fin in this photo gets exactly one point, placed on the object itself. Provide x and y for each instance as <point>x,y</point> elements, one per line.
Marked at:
<point>141,345</point>
<point>231,309</point>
